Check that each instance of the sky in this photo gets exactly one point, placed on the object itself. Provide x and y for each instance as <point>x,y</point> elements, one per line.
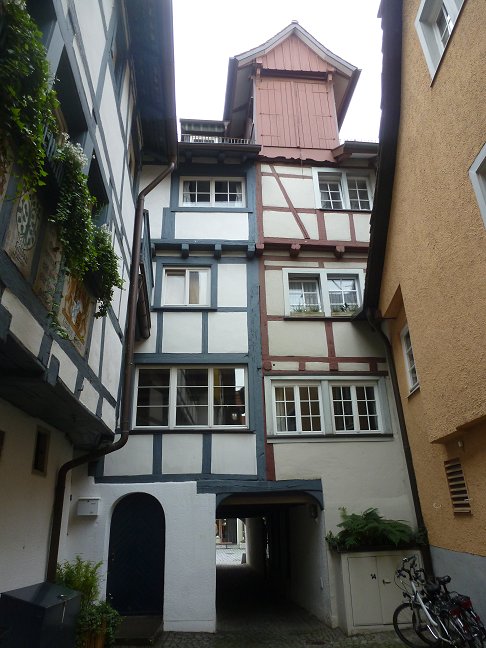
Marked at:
<point>208,32</point>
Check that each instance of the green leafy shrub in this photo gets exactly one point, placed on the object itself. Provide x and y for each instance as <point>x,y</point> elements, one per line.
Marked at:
<point>95,616</point>
<point>27,101</point>
<point>370,529</point>
<point>87,248</point>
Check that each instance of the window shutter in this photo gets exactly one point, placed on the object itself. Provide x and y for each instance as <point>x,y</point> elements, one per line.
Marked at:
<point>457,486</point>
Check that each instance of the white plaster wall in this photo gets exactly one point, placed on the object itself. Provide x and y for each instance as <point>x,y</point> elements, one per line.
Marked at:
<point>89,396</point>
<point>112,357</point>
<point>274,292</point>
<point>135,458</point>
<point>362,226</point>
<point>23,325</point>
<point>182,333</point>
<point>355,340</point>
<point>108,9</point>
<point>337,227</point>
<point>233,454</point>
<point>281,224</point>
<point>83,75</point>
<point>95,345</point>
<point>92,34</point>
<point>181,454</point>
<point>211,225</point>
<point>232,289</point>
<point>111,130</point>
<point>149,345</point>
<point>25,498</point>
<point>108,414</point>
<point>68,372</point>
<point>310,224</point>
<point>355,474</point>
<point>272,195</point>
<point>227,333</point>
<point>301,338</point>
<point>300,191</point>
<point>157,199</point>
<point>190,569</point>
<point>309,583</point>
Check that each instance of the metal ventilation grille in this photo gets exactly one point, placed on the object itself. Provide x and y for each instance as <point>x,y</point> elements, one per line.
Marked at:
<point>457,486</point>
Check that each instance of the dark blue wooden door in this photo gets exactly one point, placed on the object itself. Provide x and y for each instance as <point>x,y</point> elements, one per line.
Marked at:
<point>136,556</point>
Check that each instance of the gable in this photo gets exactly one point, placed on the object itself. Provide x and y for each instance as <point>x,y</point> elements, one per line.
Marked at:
<point>293,54</point>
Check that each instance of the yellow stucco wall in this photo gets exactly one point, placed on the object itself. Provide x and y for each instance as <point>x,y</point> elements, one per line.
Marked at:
<point>436,257</point>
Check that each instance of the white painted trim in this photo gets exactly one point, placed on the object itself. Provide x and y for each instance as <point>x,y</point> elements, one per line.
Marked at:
<point>212,180</point>
<point>412,386</point>
<point>342,176</point>
<point>425,27</point>
<point>477,175</point>
<point>357,383</point>
<point>322,276</point>
<point>295,384</point>
<point>325,384</point>
<point>173,398</point>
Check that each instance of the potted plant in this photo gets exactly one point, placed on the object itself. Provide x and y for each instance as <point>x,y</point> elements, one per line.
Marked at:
<point>97,620</point>
<point>369,531</point>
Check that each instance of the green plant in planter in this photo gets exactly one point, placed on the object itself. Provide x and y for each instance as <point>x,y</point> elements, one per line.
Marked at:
<point>95,616</point>
<point>27,101</point>
<point>370,529</point>
<point>87,248</point>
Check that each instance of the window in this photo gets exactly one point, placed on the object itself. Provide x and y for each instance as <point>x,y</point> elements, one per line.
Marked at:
<point>325,292</point>
<point>413,381</point>
<point>198,397</point>
<point>477,175</point>
<point>327,406</point>
<point>434,24</point>
<point>343,190</point>
<point>343,294</point>
<point>354,408</point>
<point>41,451</point>
<point>212,192</point>
<point>186,287</point>
<point>304,295</point>
<point>297,409</point>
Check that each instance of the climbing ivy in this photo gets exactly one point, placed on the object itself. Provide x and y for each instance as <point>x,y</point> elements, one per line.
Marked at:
<point>27,101</point>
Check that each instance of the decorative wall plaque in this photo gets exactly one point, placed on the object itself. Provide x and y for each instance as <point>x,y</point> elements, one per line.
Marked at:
<point>23,232</point>
<point>49,265</point>
<point>76,312</point>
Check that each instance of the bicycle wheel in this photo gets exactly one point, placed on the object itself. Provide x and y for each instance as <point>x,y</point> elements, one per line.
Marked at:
<point>409,623</point>
<point>456,634</point>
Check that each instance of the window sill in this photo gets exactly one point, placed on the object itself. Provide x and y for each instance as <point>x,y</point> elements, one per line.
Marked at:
<point>184,309</point>
<point>344,211</point>
<point>414,390</point>
<point>231,210</point>
<point>163,430</point>
<point>320,317</point>
<point>330,438</point>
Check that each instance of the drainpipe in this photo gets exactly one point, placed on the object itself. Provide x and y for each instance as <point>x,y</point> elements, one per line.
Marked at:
<point>126,387</point>
<point>376,326</point>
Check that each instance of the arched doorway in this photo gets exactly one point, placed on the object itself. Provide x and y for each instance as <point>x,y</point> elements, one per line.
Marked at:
<point>136,556</point>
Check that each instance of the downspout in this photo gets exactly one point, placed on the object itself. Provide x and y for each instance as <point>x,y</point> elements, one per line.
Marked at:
<point>376,326</point>
<point>126,387</point>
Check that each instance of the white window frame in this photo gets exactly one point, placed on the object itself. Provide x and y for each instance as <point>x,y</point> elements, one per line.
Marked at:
<point>354,401</point>
<point>298,413</point>
<point>173,398</point>
<point>212,184</point>
<point>408,367</point>
<point>322,275</point>
<point>428,32</point>
<point>187,270</point>
<point>342,176</point>
<point>325,385</point>
<point>477,175</point>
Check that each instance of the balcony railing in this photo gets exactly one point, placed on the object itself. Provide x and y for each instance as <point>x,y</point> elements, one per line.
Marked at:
<point>213,139</point>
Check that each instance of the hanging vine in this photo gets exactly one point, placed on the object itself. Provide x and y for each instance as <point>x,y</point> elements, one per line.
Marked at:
<point>27,101</point>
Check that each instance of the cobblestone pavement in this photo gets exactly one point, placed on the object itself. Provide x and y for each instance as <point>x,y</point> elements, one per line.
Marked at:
<point>251,615</point>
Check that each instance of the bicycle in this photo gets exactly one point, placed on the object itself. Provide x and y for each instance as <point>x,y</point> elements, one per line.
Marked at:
<point>433,616</point>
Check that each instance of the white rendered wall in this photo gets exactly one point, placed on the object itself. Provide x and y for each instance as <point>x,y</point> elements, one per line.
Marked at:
<point>26,498</point>
<point>190,564</point>
<point>211,225</point>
